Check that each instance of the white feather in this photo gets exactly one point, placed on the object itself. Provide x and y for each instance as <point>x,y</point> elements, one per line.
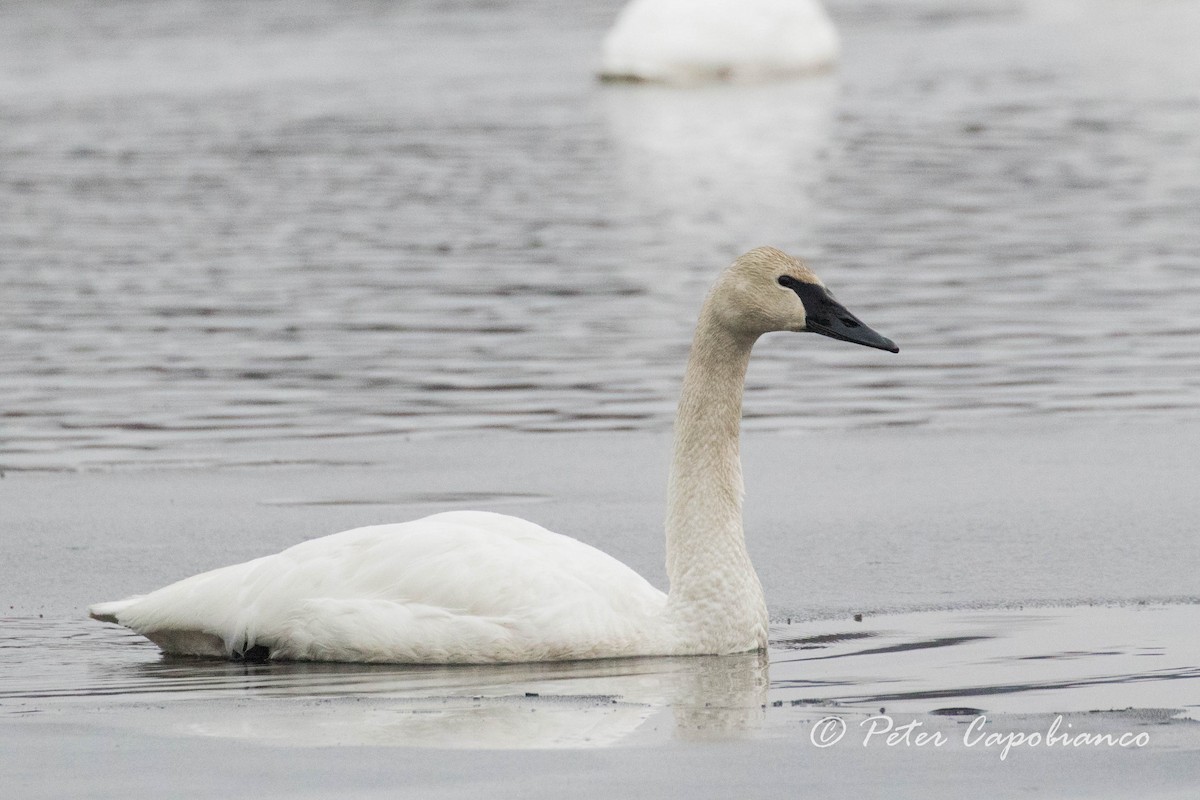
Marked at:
<point>463,586</point>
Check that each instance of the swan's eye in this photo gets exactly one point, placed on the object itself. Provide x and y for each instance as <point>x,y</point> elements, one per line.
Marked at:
<point>788,281</point>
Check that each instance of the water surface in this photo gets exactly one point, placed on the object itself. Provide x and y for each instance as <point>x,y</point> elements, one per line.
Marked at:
<point>232,221</point>
<point>1015,666</point>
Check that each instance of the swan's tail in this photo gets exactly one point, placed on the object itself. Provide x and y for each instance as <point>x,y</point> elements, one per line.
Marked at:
<point>107,612</point>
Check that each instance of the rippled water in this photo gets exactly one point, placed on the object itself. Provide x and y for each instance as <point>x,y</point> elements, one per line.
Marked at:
<point>1007,665</point>
<point>231,221</point>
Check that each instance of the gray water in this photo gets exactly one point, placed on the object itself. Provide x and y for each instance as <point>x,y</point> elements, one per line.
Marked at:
<point>225,221</point>
<point>1004,663</point>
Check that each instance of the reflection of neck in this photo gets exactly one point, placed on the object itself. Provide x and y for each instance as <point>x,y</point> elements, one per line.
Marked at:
<point>716,602</point>
<point>721,696</point>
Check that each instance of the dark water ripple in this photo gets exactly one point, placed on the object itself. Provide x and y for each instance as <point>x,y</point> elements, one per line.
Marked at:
<point>248,222</point>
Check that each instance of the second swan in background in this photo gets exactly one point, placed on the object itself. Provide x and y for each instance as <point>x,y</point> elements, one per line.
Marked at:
<point>690,41</point>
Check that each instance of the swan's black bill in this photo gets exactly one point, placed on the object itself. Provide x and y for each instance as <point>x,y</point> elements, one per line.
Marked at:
<point>828,317</point>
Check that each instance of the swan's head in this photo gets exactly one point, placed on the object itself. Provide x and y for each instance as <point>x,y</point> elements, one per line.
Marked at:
<point>767,290</point>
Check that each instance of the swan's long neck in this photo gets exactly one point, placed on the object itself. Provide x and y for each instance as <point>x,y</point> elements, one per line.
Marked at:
<point>716,602</point>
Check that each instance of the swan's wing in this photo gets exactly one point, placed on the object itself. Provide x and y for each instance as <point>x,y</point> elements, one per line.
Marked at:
<point>463,586</point>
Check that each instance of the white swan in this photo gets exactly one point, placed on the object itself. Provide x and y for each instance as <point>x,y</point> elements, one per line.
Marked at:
<point>685,41</point>
<point>473,587</point>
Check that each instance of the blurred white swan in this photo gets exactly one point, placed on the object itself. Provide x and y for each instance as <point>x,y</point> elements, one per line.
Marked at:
<point>474,587</point>
<point>684,41</point>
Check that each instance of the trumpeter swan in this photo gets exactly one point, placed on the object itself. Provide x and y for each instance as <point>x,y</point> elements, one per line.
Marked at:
<point>474,587</point>
<point>686,41</point>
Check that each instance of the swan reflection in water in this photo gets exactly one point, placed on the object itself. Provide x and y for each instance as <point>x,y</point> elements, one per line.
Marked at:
<point>723,166</point>
<point>1005,661</point>
<point>512,706</point>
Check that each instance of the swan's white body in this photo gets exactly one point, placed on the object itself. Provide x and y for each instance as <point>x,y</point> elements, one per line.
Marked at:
<point>474,587</point>
<point>465,586</point>
<point>684,41</point>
